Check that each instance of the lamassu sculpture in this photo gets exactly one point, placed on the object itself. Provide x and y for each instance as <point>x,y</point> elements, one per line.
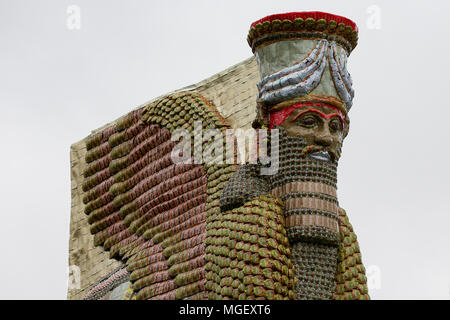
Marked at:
<point>221,230</point>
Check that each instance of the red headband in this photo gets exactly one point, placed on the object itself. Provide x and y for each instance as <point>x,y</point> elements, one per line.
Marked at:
<point>278,117</point>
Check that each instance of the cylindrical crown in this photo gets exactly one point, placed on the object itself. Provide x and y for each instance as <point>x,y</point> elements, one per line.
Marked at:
<point>303,55</point>
<point>303,25</point>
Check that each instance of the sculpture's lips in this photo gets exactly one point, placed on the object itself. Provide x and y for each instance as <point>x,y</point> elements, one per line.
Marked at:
<point>321,155</point>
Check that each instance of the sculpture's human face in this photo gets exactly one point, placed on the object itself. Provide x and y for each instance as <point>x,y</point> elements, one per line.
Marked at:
<point>321,126</point>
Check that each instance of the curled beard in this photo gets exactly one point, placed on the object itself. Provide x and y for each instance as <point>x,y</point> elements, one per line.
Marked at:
<point>307,186</point>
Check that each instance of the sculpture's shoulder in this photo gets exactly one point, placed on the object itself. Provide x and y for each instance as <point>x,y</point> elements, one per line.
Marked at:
<point>351,276</point>
<point>245,184</point>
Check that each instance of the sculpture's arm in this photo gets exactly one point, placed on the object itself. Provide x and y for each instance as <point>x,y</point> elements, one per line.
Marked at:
<point>247,252</point>
<point>351,281</point>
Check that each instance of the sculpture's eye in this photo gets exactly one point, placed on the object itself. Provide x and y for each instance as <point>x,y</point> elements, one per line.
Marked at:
<point>308,121</point>
<point>335,125</point>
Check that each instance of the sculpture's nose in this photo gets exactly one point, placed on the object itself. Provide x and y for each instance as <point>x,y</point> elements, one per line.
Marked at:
<point>323,138</point>
<point>324,141</point>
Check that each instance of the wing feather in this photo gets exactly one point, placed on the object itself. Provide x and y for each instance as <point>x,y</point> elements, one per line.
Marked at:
<point>147,211</point>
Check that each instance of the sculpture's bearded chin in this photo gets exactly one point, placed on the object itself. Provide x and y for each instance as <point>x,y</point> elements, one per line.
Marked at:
<point>307,186</point>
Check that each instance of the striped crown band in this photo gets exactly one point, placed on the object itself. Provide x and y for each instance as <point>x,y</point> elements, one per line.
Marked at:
<point>303,25</point>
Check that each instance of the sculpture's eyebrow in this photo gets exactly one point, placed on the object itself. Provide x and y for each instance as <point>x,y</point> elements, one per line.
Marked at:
<point>323,115</point>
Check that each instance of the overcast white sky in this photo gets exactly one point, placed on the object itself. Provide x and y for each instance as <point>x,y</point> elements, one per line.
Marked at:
<point>57,84</point>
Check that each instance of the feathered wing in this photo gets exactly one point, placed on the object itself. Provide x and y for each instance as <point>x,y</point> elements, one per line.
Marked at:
<point>148,211</point>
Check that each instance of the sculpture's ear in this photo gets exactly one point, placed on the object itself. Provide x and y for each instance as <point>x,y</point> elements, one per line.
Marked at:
<point>347,126</point>
<point>262,116</point>
<point>245,184</point>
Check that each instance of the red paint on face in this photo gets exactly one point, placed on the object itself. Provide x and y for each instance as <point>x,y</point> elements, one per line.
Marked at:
<point>278,117</point>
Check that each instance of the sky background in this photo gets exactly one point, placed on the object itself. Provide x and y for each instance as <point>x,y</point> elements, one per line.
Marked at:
<point>58,84</point>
